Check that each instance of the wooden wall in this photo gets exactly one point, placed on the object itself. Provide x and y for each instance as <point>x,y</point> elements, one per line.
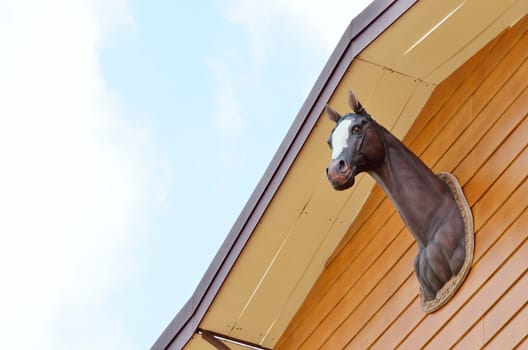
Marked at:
<point>475,125</point>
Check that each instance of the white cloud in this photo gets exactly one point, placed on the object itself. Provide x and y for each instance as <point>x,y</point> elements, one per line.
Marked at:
<point>74,177</point>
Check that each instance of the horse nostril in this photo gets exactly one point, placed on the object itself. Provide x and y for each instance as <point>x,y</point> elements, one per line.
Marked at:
<point>342,165</point>
<point>326,170</point>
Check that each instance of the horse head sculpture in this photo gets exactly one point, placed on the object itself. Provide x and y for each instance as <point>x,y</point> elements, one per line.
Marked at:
<point>433,207</point>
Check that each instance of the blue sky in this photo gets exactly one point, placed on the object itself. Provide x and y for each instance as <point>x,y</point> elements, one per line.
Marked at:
<point>132,133</point>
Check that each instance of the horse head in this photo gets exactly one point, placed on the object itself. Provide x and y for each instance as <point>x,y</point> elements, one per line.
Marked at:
<point>433,207</point>
<point>356,145</point>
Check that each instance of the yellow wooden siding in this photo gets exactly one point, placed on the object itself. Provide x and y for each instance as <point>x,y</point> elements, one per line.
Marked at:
<point>474,125</point>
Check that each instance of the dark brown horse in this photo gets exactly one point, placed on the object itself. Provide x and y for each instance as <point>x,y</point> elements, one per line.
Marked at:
<point>425,203</point>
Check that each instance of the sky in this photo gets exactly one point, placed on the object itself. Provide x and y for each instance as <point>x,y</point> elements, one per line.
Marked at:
<point>132,133</point>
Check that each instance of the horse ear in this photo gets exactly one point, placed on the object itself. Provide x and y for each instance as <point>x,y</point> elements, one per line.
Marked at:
<point>354,104</point>
<point>332,115</point>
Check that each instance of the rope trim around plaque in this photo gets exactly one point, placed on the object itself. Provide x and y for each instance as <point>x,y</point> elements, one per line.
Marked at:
<point>450,287</point>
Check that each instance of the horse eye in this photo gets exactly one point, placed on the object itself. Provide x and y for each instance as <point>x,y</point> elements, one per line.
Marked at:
<point>356,129</point>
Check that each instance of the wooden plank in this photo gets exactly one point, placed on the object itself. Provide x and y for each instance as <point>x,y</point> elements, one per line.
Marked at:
<point>482,137</point>
<point>371,205</point>
<point>506,308</point>
<point>472,339</point>
<point>523,344</point>
<point>388,287</point>
<point>514,333</point>
<point>478,125</point>
<point>468,169</point>
<point>501,73</point>
<point>385,215</point>
<point>359,240</point>
<point>496,164</point>
<point>365,274</point>
<point>448,134</point>
<point>501,189</point>
<point>490,265</point>
<point>501,219</point>
<point>404,324</point>
<point>481,302</point>
<point>391,310</point>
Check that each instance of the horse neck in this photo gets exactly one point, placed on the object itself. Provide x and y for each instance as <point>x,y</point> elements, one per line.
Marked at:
<point>412,187</point>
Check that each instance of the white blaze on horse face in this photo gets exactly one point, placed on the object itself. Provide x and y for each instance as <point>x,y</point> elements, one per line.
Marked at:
<point>340,137</point>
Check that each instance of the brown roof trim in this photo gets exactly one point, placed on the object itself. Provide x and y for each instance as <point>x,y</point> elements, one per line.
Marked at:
<point>363,30</point>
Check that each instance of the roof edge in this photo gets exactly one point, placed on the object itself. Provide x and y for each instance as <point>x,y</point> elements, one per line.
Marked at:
<point>361,31</point>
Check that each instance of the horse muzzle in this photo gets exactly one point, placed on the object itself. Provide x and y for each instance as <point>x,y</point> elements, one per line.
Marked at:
<point>340,174</point>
